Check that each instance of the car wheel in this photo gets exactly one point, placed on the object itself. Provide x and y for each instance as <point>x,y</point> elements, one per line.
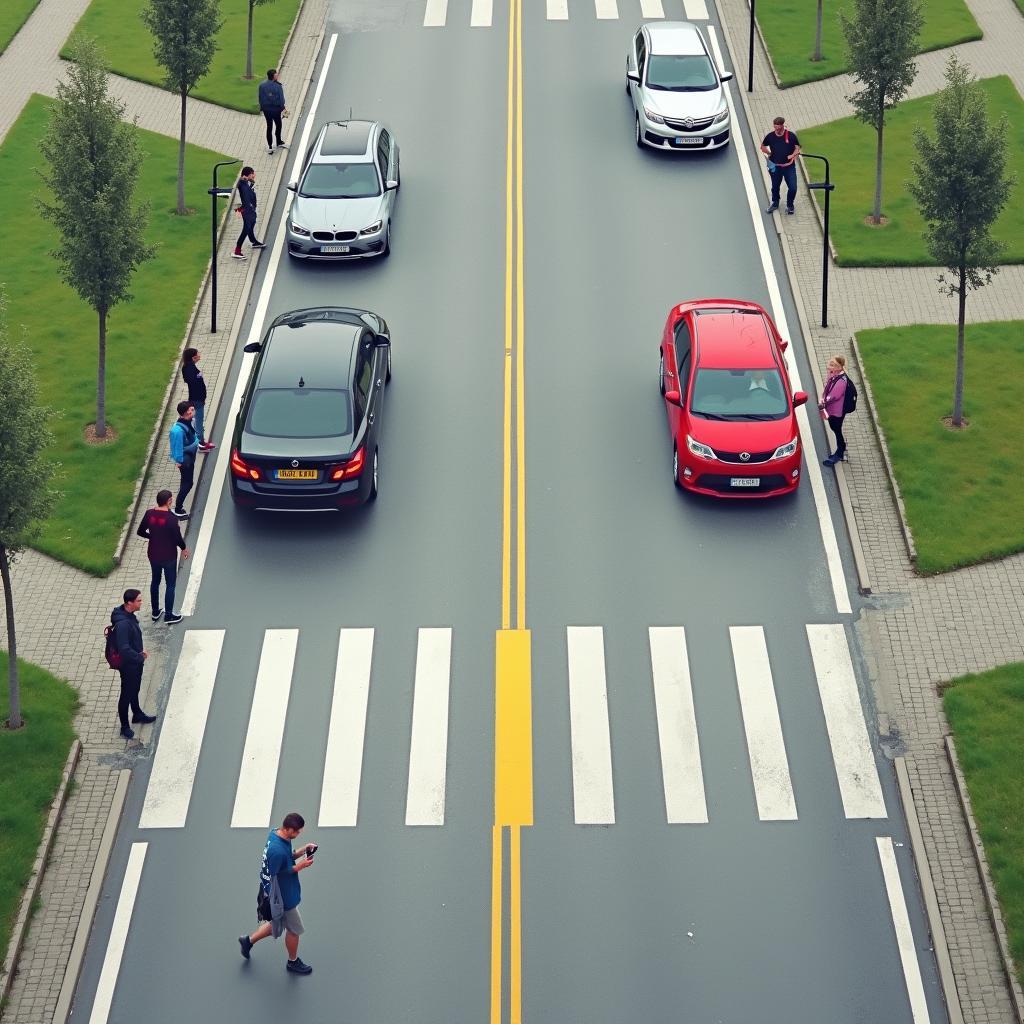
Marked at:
<point>675,466</point>
<point>661,372</point>
<point>387,243</point>
<point>636,132</point>
<point>387,376</point>
<point>372,496</point>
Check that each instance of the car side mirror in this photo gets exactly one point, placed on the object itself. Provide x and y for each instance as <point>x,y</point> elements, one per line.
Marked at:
<point>672,397</point>
<point>800,398</point>
<point>633,78</point>
<point>725,76</point>
<point>292,186</point>
<point>783,345</point>
<point>253,346</point>
<point>382,341</point>
<point>390,185</point>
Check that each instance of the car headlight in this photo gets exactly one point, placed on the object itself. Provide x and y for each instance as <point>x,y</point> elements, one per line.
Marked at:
<point>373,228</point>
<point>721,115</point>
<point>298,229</point>
<point>651,116</point>
<point>785,450</point>
<point>699,449</point>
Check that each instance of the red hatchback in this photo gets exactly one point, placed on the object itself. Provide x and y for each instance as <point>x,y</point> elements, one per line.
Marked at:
<point>731,413</point>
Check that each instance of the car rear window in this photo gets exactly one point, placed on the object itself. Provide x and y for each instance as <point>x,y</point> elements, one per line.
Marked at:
<point>300,412</point>
<point>739,395</point>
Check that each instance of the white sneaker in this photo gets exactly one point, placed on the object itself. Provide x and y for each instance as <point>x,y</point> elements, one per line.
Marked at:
<point>270,151</point>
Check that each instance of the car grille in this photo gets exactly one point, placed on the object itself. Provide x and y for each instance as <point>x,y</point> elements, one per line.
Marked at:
<point>334,236</point>
<point>696,126</point>
<point>716,482</point>
<point>735,457</point>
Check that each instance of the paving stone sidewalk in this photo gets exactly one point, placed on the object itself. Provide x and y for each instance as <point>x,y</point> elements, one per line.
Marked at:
<point>917,632</point>
<point>61,612</point>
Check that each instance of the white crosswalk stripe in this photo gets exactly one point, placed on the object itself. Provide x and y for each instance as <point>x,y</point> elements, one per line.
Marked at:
<point>482,14</point>
<point>606,9</point>
<point>651,9</point>
<point>436,14</point>
<point>696,10</point>
<point>558,10</point>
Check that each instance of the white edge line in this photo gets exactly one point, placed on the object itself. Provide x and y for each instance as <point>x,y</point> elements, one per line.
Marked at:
<point>813,470</point>
<point>104,997</point>
<point>216,489</point>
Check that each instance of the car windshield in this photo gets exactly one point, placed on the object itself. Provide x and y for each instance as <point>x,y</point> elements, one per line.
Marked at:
<point>340,181</point>
<point>300,412</point>
<point>686,73</point>
<point>739,395</point>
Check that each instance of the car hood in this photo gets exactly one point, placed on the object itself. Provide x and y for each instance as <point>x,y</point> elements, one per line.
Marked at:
<point>743,435</point>
<point>678,105</point>
<point>305,449</point>
<point>336,214</point>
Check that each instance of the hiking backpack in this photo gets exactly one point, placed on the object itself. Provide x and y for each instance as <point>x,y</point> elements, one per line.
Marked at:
<point>849,397</point>
<point>110,651</point>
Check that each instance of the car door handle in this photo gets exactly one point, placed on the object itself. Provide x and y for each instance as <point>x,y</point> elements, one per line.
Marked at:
<point>369,418</point>
<point>380,383</point>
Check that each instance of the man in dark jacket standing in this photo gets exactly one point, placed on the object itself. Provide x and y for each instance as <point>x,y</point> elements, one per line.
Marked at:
<point>247,198</point>
<point>272,106</point>
<point>160,527</point>
<point>128,640</point>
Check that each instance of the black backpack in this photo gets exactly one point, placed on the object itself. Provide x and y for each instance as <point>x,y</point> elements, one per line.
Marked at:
<point>849,397</point>
<point>110,651</point>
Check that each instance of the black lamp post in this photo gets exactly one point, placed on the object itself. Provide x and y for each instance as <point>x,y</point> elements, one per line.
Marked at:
<point>827,186</point>
<point>215,194</point>
<point>750,58</point>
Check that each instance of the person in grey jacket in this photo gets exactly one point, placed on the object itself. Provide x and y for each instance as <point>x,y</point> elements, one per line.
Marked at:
<point>272,106</point>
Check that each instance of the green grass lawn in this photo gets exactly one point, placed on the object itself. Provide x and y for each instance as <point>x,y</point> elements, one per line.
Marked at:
<point>788,27</point>
<point>850,146</point>
<point>128,47</point>
<point>31,761</point>
<point>143,338</point>
<point>986,712</point>
<point>963,490</point>
<point>13,14</point>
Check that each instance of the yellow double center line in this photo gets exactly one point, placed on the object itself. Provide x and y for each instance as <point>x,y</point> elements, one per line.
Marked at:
<point>513,743</point>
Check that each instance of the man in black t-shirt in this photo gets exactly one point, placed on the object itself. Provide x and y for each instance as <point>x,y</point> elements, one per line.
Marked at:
<point>781,147</point>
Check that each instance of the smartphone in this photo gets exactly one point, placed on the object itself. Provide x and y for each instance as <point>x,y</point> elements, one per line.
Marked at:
<point>311,849</point>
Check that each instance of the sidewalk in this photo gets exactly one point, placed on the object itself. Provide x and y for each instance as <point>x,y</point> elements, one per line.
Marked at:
<point>61,611</point>
<point>918,632</point>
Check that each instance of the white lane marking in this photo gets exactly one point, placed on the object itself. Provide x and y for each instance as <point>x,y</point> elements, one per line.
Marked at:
<point>681,771</point>
<point>558,10</point>
<point>118,935</point>
<point>811,467</point>
<point>181,733</point>
<point>904,933</point>
<point>651,9</point>
<point>769,767</point>
<point>428,748</point>
<point>696,10</point>
<point>343,765</point>
<point>593,792</point>
<point>435,14</point>
<point>257,778</point>
<point>844,718</point>
<point>607,9</point>
<point>201,550</point>
<point>482,14</point>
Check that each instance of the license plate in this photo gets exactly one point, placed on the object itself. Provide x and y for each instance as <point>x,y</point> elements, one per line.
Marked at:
<point>745,481</point>
<point>296,474</point>
<point>334,248</point>
<point>689,142</point>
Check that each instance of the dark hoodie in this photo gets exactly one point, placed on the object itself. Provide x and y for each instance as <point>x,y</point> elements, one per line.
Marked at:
<point>128,635</point>
<point>194,379</point>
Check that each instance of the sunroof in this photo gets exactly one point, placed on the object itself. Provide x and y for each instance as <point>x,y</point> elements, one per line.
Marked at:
<point>347,138</point>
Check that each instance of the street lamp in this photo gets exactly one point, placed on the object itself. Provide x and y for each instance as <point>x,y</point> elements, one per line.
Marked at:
<point>827,187</point>
<point>750,58</point>
<point>215,194</point>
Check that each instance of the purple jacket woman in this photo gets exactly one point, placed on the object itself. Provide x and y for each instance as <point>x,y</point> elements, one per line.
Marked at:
<point>833,397</point>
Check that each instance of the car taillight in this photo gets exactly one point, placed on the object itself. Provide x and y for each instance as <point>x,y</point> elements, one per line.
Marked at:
<point>352,468</point>
<point>242,469</point>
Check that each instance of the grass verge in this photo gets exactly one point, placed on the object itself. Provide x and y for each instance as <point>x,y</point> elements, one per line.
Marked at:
<point>142,341</point>
<point>31,761</point>
<point>963,490</point>
<point>128,46</point>
<point>986,712</point>
<point>788,27</point>
<point>850,146</point>
<point>14,14</point>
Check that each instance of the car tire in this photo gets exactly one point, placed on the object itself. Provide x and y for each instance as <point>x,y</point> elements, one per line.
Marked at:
<point>675,466</point>
<point>661,372</point>
<point>387,376</point>
<point>372,496</point>
<point>636,132</point>
<point>386,251</point>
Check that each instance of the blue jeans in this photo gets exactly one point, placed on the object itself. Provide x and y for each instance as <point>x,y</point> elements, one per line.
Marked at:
<point>197,421</point>
<point>169,570</point>
<point>787,174</point>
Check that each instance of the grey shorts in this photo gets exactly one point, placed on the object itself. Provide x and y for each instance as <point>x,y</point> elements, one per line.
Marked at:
<point>292,921</point>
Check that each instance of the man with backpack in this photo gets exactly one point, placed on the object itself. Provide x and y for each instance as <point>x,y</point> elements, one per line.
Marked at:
<point>838,398</point>
<point>184,445</point>
<point>124,651</point>
<point>781,147</point>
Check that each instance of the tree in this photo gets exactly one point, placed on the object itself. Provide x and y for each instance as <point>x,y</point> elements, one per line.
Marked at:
<point>184,42</point>
<point>248,48</point>
<point>817,34</point>
<point>882,41</point>
<point>26,496</point>
<point>92,167</point>
<point>961,186</point>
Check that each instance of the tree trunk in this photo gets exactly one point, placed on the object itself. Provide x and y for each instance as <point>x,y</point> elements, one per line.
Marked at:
<point>248,47</point>
<point>958,386</point>
<point>13,686</point>
<point>181,157</point>
<point>817,35</point>
<point>876,214</point>
<point>101,376</point>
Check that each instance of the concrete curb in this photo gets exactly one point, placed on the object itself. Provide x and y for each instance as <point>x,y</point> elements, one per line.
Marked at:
<point>931,903</point>
<point>991,899</point>
<point>21,923</point>
<point>883,444</point>
<point>92,898</point>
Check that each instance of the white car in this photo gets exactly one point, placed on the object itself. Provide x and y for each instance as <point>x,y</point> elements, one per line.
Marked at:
<point>676,88</point>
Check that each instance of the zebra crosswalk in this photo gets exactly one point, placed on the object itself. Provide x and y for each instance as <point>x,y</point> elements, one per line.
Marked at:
<point>584,689</point>
<point>440,13</point>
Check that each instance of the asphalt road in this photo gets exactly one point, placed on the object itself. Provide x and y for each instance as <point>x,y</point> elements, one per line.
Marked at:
<point>776,907</point>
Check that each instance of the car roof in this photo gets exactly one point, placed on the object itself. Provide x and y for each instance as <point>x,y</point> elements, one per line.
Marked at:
<point>345,138</point>
<point>675,38</point>
<point>319,352</point>
<point>733,339</point>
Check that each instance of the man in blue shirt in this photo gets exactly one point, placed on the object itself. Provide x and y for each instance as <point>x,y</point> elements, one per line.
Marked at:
<point>280,892</point>
<point>184,445</point>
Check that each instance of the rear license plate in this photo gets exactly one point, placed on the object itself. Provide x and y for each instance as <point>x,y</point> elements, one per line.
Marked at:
<point>334,248</point>
<point>689,142</point>
<point>745,481</point>
<point>296,474</point>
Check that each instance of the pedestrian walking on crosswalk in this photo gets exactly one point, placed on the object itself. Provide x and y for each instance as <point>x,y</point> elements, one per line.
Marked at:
<point>279,894</point>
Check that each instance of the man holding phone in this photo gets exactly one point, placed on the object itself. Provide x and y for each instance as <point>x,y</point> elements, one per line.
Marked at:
<point>280,892</point>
